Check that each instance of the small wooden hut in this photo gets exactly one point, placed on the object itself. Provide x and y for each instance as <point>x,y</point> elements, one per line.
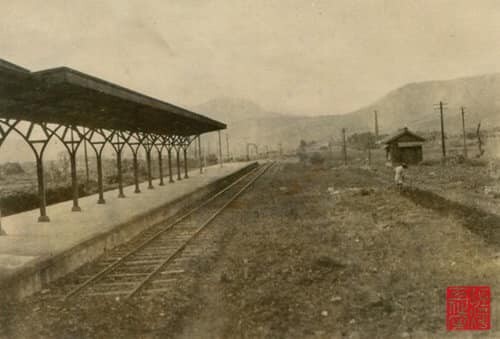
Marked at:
<point>403,146</point>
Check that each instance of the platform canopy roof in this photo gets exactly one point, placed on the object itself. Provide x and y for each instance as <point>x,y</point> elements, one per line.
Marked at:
<point>69,97</point>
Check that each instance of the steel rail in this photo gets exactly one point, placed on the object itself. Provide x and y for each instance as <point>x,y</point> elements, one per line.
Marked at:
<point>113,265</point>
<point>196,232</point>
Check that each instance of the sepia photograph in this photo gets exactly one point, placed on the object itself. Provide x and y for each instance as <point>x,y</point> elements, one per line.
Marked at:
<point>239,169</point>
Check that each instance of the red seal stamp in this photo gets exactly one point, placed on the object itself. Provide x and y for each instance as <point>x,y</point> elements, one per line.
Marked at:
<point>468,308</point>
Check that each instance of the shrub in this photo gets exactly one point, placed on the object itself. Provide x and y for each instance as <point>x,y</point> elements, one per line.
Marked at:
<point>18,202</point>
<point>10,168</point>
<point>475,162</point>
<point>317,159</point>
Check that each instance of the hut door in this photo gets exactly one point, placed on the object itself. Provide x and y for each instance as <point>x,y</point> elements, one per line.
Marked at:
<point>410,155</point>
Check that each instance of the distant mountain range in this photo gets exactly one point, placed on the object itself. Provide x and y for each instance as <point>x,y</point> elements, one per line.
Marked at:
<point>411,105</point>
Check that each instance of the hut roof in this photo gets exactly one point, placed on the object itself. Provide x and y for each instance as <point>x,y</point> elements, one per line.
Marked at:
<point>398,134</point>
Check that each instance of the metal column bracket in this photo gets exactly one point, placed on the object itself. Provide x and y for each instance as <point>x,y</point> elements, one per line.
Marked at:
<point>186,142</point>
<point>134,141</point>
<point>169,144</point>
<point>159,145</point>
<point>4,132</point>
<point>97,138</point>
<point>6,126</point>
<point>37,136</point>
<point>118,141</point>
<point>148,142</point>
<point>177,142</point>
<point>71,137</point>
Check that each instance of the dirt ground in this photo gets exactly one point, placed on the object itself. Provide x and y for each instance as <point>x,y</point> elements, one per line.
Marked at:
<point>363,262</point>
<point>307,253</point>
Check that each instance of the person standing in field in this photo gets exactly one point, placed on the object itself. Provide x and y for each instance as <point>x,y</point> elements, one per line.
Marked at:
<point>399,175</point>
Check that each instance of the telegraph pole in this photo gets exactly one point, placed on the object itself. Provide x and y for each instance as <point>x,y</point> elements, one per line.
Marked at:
<point>463,131</point>
<point>375,116</point>
<point>443,146</point>
<point>344,148</point>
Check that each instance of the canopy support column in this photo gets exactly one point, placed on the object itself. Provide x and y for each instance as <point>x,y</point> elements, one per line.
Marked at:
<point>4,132</point>
<point>171,177</point>
<point>178,158</point>
<point>100,200</point>
<point>160,143</point>
<point>148,163</point>
<point>74,183</point>
<point>41,190</point>
<point>148,143</point>
<point>184,142</point>
<point>185,163</point>
<point>71,137</point>
<point>134,141</point>
<point>221,161</point>
<point>118,144</point>
<point>38,144</point>
<point>199,154</point>
<point>119,173</point>
<point>97,139</point>
<point>160,167</point>
<point>136,172</point>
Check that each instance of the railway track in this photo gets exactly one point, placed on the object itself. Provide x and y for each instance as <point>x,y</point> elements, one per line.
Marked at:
<point>149,265</point>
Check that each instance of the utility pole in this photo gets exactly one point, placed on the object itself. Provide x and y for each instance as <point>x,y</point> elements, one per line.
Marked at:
<point>463,131</point>
<point>195,149</point>
<point>199,154</point>
<point>86,159</point>
<point>443,146</point>
<point>376,124</point>
<point>479,141</point>
<point>344,148</point>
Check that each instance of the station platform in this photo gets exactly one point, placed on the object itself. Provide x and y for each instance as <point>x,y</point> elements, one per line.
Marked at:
<point>33,253</point>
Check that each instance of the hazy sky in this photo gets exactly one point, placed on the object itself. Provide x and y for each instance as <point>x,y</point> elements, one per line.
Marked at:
<point>306,57</point>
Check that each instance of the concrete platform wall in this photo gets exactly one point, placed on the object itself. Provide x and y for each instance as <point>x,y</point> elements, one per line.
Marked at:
<point>36,275</point>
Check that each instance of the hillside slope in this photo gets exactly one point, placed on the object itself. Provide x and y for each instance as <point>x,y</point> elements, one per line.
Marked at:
<point>412,105</point>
